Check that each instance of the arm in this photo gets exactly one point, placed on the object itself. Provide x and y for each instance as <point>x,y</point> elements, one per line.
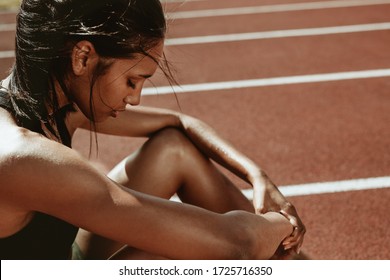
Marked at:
<point>90,200</point>
<point>144,121</point>
<point>267,196</point>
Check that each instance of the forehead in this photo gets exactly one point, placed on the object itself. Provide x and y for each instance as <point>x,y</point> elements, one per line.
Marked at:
<point>141,63</point>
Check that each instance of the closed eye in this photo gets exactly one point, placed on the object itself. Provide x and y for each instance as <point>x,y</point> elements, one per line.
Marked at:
<point>130,83</point>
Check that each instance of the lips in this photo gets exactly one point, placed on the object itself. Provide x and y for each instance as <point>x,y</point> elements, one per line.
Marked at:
<point>115,112</point>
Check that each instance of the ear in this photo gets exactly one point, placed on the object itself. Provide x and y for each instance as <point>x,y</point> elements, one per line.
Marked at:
<point>84,57</point>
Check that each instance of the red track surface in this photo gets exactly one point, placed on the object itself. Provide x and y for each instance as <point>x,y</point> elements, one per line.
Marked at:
<point>300,133</point>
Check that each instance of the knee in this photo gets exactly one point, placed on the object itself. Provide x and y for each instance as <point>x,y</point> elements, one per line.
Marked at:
<point>172,142</point>
<point>170,134</point>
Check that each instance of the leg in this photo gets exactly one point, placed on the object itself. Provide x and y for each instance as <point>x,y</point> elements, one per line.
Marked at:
<point>169,163</point>
<point>166,164</point>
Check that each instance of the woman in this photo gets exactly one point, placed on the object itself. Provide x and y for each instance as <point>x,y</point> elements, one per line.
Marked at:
<point>82,64</point>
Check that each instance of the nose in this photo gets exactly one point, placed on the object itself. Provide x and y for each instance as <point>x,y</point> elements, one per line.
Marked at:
<point>134,98</point>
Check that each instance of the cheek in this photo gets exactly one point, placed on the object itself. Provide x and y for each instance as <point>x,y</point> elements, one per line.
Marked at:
<point>110,94</point>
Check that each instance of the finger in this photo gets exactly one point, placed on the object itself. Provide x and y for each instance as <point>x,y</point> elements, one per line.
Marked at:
<point>293,234</point>
<point>295,247</point>
<point>295,238</point>
<point>296,235</point>
<point>294,244</point>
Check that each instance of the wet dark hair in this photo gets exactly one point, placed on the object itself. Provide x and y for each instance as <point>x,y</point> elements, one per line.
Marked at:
<point>47,31</point>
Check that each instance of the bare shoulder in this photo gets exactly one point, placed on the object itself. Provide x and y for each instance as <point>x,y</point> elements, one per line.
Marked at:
<point>31,164</point>
<point>15,143</point>
<point>18,145</point>
<point>21,151</point>
<point>22,163</point>
<point>40,175</point>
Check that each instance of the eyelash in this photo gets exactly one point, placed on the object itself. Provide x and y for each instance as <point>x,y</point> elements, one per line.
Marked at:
<point>130,84</point>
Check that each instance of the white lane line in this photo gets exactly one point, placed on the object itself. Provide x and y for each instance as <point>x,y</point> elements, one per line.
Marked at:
<point>7,54</point>
<point>376,73</point>
<point>266,35</point>
<point>260,9</point>
<point>326,187</point>
<point>278,34</point>
<point>331,187</point>
<point>7,27</point>
<point>274,8</point>
<point>9,11</point>
<point>249,10</point>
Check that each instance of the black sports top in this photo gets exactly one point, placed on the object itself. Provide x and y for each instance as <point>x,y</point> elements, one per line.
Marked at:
<point>44,237</point>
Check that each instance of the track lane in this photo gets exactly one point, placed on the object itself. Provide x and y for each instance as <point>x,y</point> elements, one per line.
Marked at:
<point>305,133</point>
<point>262,58</point>
<point>279,57</point>
<point>210,4</point>
<point>278,21</point>
<point>346,226</point>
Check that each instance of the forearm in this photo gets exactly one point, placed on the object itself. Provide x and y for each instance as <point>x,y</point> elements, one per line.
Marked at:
<point>203,234</point>
<point>220,150</point>
<point>176,230</point>
<point>145,121</point>
<point>181,231</point>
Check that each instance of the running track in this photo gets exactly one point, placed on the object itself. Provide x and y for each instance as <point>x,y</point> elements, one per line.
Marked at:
<point>301,87</point>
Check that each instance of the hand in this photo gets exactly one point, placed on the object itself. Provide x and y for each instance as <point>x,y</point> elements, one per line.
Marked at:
<point>268,198</point>
<point>295,240</point>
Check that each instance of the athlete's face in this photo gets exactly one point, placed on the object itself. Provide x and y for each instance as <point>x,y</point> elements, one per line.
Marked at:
<point>118,86</point>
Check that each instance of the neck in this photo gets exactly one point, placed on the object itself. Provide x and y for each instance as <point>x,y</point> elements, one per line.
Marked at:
<point>62,99</point>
